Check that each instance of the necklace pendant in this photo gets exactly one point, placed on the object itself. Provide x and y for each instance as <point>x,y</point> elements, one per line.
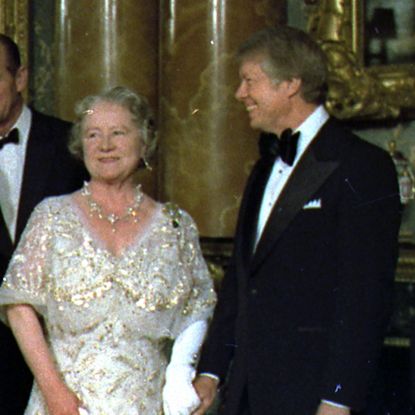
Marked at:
<point>96,210</point>
<point>112,218</point>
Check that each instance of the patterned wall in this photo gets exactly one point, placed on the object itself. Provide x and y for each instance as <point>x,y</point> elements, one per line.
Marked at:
<point>41,90</point>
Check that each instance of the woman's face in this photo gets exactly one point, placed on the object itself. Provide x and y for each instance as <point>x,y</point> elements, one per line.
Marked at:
<point>111,142</point>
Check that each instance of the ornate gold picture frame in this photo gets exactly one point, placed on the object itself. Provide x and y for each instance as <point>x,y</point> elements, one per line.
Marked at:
<point>14,22</point>
<point>356,91</point>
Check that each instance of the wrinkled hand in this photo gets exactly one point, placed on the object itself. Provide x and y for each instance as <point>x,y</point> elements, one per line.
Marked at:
<point>62,401</point>
<point>206,388</point>
<point>327,409</point>
<point>179,396</point>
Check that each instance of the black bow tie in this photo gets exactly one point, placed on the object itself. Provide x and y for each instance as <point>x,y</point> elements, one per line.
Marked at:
<point>11,138</point>
<point>271,146</point>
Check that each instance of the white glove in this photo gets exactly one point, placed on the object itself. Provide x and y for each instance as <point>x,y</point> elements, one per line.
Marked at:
<point>179,396</point>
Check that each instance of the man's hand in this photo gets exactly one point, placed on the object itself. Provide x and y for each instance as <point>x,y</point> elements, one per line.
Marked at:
<point>206,388</point>
<point>327,409</point>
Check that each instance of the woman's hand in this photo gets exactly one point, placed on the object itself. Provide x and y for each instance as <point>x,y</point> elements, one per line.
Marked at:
<point>60,400</point>
<point>27,329</point>
<point>179,396</point>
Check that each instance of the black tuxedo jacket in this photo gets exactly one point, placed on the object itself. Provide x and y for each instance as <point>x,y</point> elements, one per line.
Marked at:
<point>49,170</point>
<point>302,319</point>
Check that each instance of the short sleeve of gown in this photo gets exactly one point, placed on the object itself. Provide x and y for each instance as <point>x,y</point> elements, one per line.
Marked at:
<point>202,298</point>
<point>24,282</point>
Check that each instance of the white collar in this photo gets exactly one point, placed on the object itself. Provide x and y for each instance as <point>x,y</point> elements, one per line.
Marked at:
<point>309,129</point>
<point>23,124</point>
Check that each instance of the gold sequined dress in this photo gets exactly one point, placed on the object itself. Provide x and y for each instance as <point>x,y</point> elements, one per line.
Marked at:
<point>108,318</point>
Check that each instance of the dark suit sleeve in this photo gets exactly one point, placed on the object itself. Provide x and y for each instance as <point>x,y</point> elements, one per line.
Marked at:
<point>367,250</point>
<point>220,344</point>
<point>218,350</point>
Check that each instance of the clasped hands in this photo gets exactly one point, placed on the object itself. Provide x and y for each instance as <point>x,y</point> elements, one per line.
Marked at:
<point>183,396</point>
<point>179,396</point>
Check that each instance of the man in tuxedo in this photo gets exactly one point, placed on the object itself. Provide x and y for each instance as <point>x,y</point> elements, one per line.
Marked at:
<point>34,164</point>
<point>305,300</point>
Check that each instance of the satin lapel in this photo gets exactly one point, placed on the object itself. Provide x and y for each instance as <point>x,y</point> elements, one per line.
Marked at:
<point>39,157</point>
<point>246,230</point>
<point>6,245</point>
<point>307,177</point>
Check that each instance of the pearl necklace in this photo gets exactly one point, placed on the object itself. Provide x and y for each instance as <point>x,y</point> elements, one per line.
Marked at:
<point>96,209</point>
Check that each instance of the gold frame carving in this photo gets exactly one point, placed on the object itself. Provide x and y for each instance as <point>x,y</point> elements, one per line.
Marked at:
<point>356,91</point>
<point>14,22</point>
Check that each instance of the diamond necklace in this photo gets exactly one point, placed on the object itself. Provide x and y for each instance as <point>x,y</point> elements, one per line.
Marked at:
<point>96,209</point>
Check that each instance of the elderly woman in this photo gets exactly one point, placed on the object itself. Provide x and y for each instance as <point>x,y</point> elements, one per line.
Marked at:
<point>103,278</point>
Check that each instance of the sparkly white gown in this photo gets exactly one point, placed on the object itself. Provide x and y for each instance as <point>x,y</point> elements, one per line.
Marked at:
<point>108,318</point>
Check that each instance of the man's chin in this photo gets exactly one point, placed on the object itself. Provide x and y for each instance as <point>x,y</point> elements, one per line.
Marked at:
<point>259,127</point>
<point>254,124</point>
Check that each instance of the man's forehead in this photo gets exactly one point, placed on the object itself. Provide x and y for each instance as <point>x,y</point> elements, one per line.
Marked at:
<point>3,58</point>
<point>253,64</point>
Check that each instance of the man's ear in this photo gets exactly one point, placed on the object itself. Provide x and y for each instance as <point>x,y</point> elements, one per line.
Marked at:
<point>294,86</point>
<point>21,79</point>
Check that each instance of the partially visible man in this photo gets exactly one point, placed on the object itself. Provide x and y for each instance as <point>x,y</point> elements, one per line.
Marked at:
<point>304,304</point>
<point>34,164</point>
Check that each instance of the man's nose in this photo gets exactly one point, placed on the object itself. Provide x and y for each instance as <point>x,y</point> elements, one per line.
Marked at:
<point>240,93</point>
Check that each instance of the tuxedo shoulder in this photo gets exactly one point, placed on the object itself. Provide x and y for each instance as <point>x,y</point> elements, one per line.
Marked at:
<point>347,143</point>
<point>49,121</point>
<point>369,153</point>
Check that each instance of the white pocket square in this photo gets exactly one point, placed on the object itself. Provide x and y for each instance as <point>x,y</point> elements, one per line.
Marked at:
<point>313,204</point>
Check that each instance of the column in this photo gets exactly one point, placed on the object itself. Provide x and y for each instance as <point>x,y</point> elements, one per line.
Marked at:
<point>207,147</point>
<point>103,43</point>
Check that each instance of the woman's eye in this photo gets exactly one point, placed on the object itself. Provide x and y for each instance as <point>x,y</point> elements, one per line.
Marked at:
<point>91,135</point>
<point>118,132</point>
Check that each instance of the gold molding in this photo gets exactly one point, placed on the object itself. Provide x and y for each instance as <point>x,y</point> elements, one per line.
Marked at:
<point>14,22</point>
<point>356,91</point>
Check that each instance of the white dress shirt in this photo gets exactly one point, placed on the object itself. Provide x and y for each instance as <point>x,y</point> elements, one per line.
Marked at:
<point>12,160</point>
<point>281,171</point>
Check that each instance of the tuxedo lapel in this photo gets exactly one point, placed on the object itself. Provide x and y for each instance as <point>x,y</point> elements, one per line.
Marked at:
<point>6,244</point>
<point>39,157</point>
<point>250,208</point>
<point>306,179</point>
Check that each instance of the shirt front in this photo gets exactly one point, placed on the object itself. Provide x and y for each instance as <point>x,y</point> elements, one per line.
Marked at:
<point>281,171</point>
<point>12,160</point>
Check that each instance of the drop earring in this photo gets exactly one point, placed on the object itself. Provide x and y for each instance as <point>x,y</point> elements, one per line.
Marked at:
<point>147,164</point>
